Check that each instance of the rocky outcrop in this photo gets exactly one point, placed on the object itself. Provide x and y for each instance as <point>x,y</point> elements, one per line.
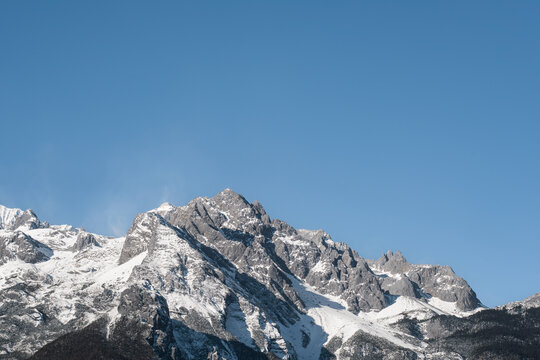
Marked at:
<point>85,240</point>
<point>139,236</point>
<point>18,245</point>
<point>424,281</point>
<point>333,268</point>
<point>144,330</point>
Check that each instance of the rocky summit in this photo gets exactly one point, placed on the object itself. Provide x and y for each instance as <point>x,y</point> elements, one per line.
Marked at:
<point>219,278</point>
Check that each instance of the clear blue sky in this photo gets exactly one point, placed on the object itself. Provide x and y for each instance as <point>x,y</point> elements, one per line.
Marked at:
<point>392,125</point>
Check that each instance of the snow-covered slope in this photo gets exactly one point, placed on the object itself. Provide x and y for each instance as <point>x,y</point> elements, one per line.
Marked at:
<point>13,219</point>
<point>46,298</point>
<point>217,277</point>
<point>8,216</point>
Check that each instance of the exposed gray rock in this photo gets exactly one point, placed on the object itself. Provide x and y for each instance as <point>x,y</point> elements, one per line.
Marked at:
<point>333,268</point>
<point>18,245</point>
<point>402,286</point>
<point>426,280</point>
<point>23,321</point>
<point>144,323</point>
<point>394,263</point>
<point>455,289</point>
<point>139,235</point>
<point>85,240</point>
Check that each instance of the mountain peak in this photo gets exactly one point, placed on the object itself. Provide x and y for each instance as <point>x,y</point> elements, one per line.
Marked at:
<point>13,218</point>
<point>166,206</point>
<point>392,262</point>
<point>395,255</point>
<point>229,194</point>
<point>8,214</point>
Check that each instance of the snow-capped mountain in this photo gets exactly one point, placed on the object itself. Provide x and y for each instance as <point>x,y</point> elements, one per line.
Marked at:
<point>12,219</point>
<point>219,279</point>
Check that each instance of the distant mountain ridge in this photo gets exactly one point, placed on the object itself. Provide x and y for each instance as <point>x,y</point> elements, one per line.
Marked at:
<point>218,278</point>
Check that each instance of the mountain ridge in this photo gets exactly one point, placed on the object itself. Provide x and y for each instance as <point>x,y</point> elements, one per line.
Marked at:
<point>219,277</point>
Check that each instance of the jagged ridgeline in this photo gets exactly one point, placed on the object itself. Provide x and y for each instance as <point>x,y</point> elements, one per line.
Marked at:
<point>219,279</point>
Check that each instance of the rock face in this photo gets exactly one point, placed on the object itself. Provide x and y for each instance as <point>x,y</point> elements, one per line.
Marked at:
<point>18,245</point>
<point>138,237</point>
<point>84,240</point>
<point>219,279</point>
<point>416,280</point>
